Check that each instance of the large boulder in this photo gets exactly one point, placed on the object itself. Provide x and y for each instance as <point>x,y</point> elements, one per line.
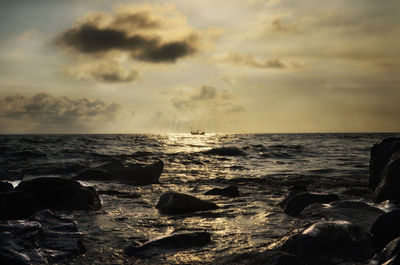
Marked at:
<point>230,191</point>
<point>179,203</point>
<point>47,193</point>
<point>225,151</point>
<point>330,242</point>
<point>41,239</point>
<point>137,174</point>
<point>299,201</point>
<point>354,212</point>
<point>386,228</point>
<point>384,169</point>
<point>5,186</point>
<point>174,241</point>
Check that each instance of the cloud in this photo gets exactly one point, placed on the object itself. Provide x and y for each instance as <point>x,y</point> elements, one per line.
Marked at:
<point>251,61</point>
<point>206,98</point>
<point>133,31</point>
<point>46,111</point>
<point>110,71</point>
<point>206,92</point>
<point>279,26</point>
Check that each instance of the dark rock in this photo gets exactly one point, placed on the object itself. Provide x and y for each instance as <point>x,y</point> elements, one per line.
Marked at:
<point>386,228</point>
<point>384,169</point>
<point>390,255</point>
<point>6,186</point>
<point>41,239</point>
<point>119,194</point>
<point>60,194</point>
<point>292,192</point>
<point>381,152</point>
<point>173,241</point>
<point>17,205</point>
<point>330,242</point>
<point>300,201</point>
<point>225,151</point>
<point>178,203</point>
<point>269,257</point>
<point>230,191</point>
<point>354,212</point>
<point>115,171</point>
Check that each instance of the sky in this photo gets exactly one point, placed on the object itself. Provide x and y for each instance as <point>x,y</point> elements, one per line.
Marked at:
<point>237,66</point>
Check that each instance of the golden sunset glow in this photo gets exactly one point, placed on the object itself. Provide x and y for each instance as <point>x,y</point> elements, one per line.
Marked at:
<point>238,66</point>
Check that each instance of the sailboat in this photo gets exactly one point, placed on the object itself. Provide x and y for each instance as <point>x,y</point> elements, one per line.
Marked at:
<point>196,132</point>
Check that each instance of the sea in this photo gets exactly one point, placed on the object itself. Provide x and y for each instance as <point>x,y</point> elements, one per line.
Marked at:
<point>273,165</point>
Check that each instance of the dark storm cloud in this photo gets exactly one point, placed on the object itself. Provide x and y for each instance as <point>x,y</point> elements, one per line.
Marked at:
<point>44,108</point>
<point>90,38</point>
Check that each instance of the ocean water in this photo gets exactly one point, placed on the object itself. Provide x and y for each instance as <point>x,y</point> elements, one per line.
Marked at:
<point>274,163</point>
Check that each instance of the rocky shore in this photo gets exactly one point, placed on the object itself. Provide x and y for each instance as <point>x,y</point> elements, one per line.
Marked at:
<point>35,227</point>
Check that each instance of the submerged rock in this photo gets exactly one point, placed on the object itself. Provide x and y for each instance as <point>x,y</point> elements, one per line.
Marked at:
<point>47,193</point>
<point>386,228</point>
<point>179,203</point>
<point>173,241</point>
<point>41,239</point>
<point>354,212</point>
<point>230,191</point>
<point>330,242</point>
<point>225,151</point>
<point>384,169</point>
<point>115,171</point>
<point>5,186</point>
<point>300,201</point>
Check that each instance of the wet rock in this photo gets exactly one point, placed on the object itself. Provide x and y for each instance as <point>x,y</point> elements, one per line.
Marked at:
<point>230,191</point>
<point>225,151</point>
<point>174,241</point>
<point>354,212</point>
<point>138,174</point>
<point>390,255</point>
<point>17,205</point>
<point>386,228</point>
<point>270,257</point>
<point>300,201</point>
<point>330,242</point>
<point>292,192</point>
<point>60,194</point>
<point>384,169</point>
<point>5,186</point>
<point>119,194</point>
<point>41,239</point>
<point>178,203</point>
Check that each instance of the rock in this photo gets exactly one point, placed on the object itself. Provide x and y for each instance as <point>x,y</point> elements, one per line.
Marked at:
<point>5,186</point>
<point>269,257</point>
<point>330,242</point>
<point>60,194</point>
<point>17,205</point>
<point>120,194</point>
<point>115,171</point>
<point>386,228</point>
<point>292,192</point>
<point>173,241</point>
<point>381,153</point>
<point>225,151</point>
<point>300,201</point>
<point>41,239</point>
<point>178,203</point>
<point>354,212</point>
<point>230,191</point>
<point>389,255</point>
<point>384,169</point>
